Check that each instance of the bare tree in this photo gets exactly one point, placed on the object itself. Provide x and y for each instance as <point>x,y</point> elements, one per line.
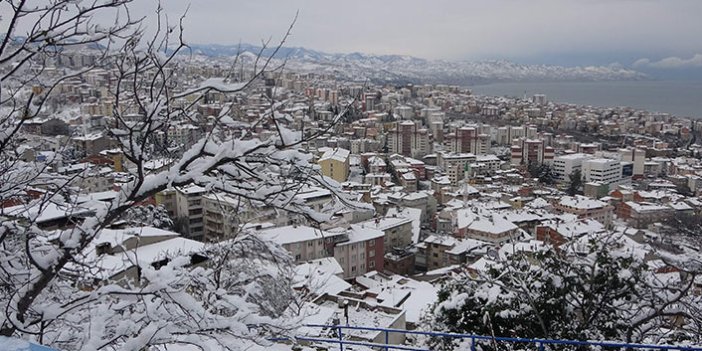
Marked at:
<point>229,299</point>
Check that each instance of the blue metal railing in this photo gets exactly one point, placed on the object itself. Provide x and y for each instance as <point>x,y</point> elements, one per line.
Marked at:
<point>540,343</point>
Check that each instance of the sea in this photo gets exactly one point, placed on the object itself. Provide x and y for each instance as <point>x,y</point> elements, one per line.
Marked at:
<point>679,98</point>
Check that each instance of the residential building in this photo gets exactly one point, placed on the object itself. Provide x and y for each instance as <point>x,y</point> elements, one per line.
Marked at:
<point>467,140</point>
<point>528,151</point>
<point>407,139</point>
<point>455,165</point>
<point>640,215</point>
<point>363,251</point>
<point>585,207</point>
<point>438,251</point>
<point>189,212</point>
<point>398,230</point>
<point>335,164</point>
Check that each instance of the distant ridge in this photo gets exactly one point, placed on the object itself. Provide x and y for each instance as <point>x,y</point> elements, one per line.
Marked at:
<point>410,69</point>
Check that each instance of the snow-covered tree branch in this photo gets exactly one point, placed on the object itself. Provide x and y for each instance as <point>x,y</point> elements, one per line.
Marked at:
<point>50,288</point>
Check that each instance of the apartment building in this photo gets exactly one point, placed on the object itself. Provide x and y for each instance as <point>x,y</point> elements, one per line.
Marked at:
<point>585,207</point>
<point>335,164</point>
<point>407,139</point>
<point>189,211</point>
<point>565,165</point>
<point>397,230</point>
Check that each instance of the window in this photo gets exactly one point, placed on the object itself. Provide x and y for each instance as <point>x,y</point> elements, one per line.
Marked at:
<point>341,260</point>
<point>363,256</point>
<point>298,257</point>
<point>310,243</point>
<point>353,268</point>
<point>371,264</point>
<point>353,258</point>
<point>363,267</point>
<point>371,254</point>
<point>371,242</point>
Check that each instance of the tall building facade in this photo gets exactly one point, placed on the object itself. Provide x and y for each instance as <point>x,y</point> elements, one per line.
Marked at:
<point>408,139</point>
<point>528,151</point>
<point>467,140</point>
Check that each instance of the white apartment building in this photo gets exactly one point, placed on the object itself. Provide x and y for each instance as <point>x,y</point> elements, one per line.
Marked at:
<point>602,170</point>
<point>454,165</point>
<point>565,165</point>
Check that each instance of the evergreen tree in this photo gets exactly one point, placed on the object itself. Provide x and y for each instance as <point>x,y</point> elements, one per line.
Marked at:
<point>602,292</point>
<point>576,182</point>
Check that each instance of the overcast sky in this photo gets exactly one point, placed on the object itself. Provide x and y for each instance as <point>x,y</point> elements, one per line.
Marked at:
<point>652,33</point>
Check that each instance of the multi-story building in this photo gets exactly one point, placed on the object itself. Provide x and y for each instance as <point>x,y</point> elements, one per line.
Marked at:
<point>565,165</point>
<point>467,140</point>
<point>640,215</point>
<point>486,164</point>
<point>585,207</point>
<point>454,165</point>
<point>637,157</point>
<point>438,251</point>
<point>304,243</point>
<point>224,215</point>
<point>406,138</point>
<point>397,230</point>
<point>358,250</point>
<point>484,225</point>
<point>167,199</point>
<point>189,211</point>
<point>335,164</point>
<point>603,171</point>
<point>528,151</point>
<point>363,251</point>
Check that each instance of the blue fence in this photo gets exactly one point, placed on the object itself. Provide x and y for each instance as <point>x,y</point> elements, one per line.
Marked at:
<point>475,339</point>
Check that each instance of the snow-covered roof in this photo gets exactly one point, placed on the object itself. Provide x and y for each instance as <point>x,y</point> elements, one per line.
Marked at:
<point>358,234</point>
<point>575,229</point>
<point>109,265</point>
<point>412,213</point>
<point>538,203</point>
<point>402,292</point>
<point>641,207</point>
<point>192,190</point>
<point>680,206</point>
<point>376,161</point>
<point>385,223</point>
<point>294,234</point>
<point>483,221</point>
<point>581,202</point>
<point>321,276</point>
<point>336,154</point>
<point>46,212</point>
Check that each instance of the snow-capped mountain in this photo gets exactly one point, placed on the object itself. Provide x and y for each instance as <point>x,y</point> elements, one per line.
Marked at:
<point>403,69</point>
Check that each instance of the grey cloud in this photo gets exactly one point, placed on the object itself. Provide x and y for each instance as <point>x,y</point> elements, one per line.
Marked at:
<point>671,62</point>
<point>449,29</point>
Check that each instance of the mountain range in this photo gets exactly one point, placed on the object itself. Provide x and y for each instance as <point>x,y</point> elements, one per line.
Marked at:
<point>408,69</point>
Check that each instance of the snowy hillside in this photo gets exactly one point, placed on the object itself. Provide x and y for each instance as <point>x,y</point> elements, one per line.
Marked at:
<point>400,68</point>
